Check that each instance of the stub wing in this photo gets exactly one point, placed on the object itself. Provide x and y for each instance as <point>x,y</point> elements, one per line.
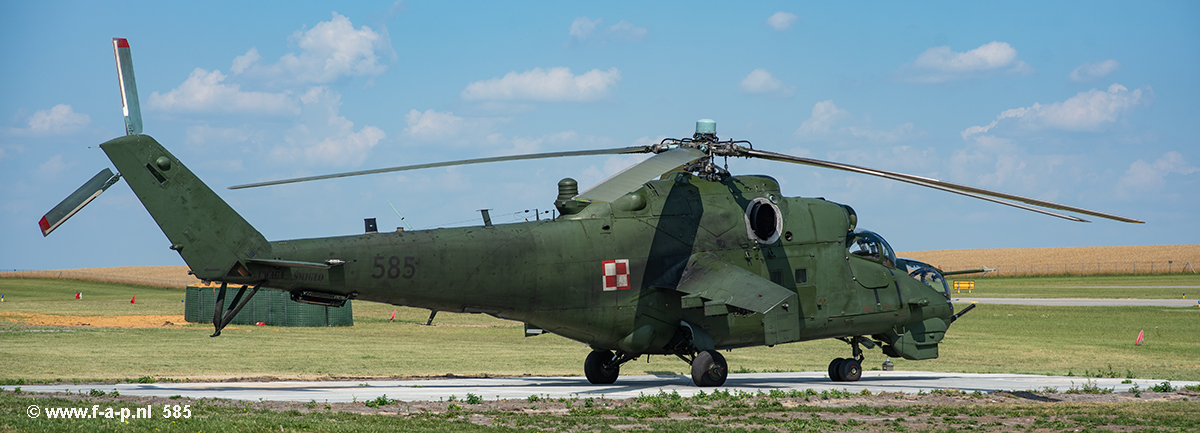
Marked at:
<point>716,285</point>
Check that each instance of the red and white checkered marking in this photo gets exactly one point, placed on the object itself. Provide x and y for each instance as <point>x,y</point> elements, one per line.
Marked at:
<point>616,274</point>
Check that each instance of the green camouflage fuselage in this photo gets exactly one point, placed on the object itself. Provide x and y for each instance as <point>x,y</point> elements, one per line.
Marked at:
<point>551,274</point>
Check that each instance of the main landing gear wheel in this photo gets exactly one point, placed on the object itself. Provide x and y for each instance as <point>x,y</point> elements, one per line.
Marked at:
<point>835,373</point>
<point>596,369</point>
<point>850,370</point>
<point>845,370</point>
<point>709,369</point>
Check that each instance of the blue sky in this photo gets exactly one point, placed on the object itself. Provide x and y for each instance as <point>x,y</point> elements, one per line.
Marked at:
<point>1091,104</point>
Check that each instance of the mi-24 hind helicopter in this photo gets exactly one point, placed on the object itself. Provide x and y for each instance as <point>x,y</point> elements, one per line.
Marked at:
<point>689,264</point>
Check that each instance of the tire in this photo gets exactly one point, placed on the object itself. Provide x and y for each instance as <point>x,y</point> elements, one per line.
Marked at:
<point>835,373</point>
<point>709,369</point>
<point>596,372</point>
<point>850,370</point>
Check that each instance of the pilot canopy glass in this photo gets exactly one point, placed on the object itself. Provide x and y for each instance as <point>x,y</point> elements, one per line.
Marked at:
<point>926,274</point>
<point>869,245</point>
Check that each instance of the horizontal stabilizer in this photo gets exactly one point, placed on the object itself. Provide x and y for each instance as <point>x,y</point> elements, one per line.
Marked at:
<point>129,96</point>
<point>77,200</point>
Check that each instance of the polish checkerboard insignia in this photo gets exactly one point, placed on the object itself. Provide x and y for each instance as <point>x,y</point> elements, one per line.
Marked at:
<point>616,274</point>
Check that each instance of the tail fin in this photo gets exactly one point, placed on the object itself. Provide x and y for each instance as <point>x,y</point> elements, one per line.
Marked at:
<point>211,237</point>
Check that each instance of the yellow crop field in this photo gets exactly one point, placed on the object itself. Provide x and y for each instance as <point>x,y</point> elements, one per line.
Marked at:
<point>1141,259</point>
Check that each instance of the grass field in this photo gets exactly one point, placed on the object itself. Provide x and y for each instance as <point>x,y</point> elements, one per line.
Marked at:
<point>720,412</point>
<point>993,338</point>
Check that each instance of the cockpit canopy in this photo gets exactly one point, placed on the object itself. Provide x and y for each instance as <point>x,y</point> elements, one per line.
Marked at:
<point>870,245</point>
<point>925,273</point>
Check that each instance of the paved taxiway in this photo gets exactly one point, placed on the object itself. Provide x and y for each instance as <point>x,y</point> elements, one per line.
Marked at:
<point>1083,302</point>
<point>577,387</point>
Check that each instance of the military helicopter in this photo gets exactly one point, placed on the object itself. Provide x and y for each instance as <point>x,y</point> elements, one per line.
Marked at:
<point>697,261</point>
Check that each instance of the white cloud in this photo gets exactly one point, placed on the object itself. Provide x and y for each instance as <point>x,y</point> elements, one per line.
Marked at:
<point>330,50</point>
<point>761,81</point>
<point>11,150</point>
<point>1001,163</point>
<point>824,114</point>
<point>324,137</point>
<point>522,145</point>
<point>583,29</point>
<point>782,20</point>
<point>240,63</point>
<point>940,64</point>
<point>450,129</point>
<point>1143,178</point>
<point>53,167</point>
<point>59,119</point>
<point>554,84</point>
<point>625,31</point>
<point>432,124</point>
<point>206,134</point>
<point>1086,111</point>
<point>1093,71</point>
<point>204,91</point>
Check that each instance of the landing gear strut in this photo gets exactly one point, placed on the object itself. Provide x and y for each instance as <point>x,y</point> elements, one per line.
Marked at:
<point>695,347</point>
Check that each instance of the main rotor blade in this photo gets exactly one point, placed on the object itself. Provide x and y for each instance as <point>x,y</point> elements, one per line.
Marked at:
<point>970,191</point>
<point>617,151</point>
<point>633,177</point>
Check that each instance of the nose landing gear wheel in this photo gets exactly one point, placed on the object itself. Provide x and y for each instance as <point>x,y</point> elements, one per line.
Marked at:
<point>596,370</point>
<point>709,369</point>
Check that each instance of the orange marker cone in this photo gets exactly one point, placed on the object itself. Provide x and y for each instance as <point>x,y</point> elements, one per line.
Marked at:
<point>133,300</point>
<point>1141,338</point>
<point>393,319</point>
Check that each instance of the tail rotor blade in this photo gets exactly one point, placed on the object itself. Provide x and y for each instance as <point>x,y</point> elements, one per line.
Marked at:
<point>77,200</point>
<point>129,96</point>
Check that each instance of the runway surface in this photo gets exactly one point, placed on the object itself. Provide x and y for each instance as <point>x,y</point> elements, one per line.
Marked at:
<point>910,382</point>
<point>1084,302</point>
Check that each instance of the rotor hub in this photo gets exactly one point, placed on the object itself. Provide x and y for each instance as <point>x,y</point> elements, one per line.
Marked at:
<point>705,140</point>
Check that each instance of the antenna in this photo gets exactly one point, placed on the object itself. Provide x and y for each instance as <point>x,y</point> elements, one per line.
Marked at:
<point>398,214</point>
